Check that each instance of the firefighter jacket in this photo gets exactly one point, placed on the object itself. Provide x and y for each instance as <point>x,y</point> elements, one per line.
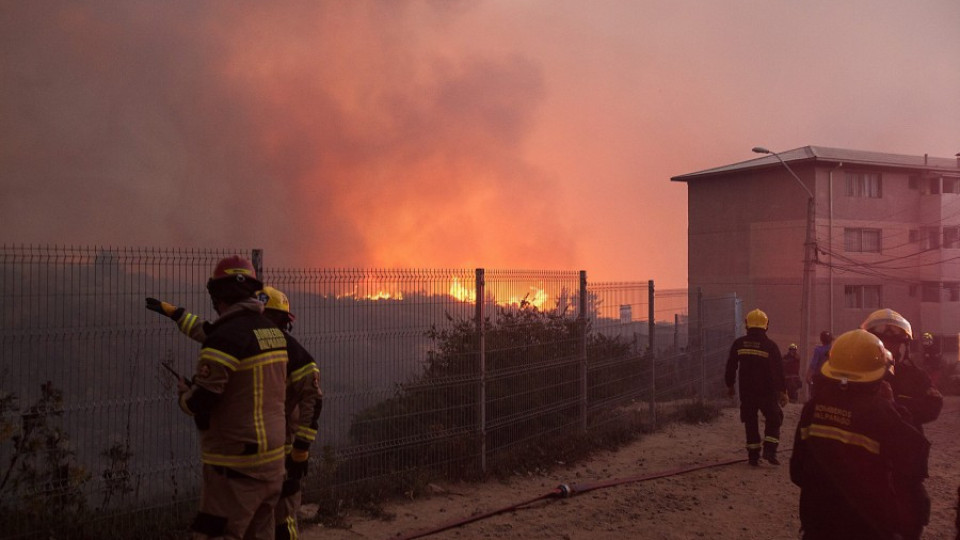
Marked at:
<point>913,391</point>
<point>304,397</point>
<point>791,365</point>
<point>757,359</point>
<point>860,466</point>
<point>932,359</point>
<point>237,395</point>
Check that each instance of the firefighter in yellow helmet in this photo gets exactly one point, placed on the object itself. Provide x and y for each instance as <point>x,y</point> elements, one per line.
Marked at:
<point>791,372</point>
<point>912,388</point>
<point>762,389</point>
<point>303,404</point>
<point>859,463</point>
<point>303,398</point>
<point>932,359</point>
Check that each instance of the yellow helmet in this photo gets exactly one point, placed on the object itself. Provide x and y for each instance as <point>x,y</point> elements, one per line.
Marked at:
<point>857,356</point>
<point>274,299</point>
<point>792,347</point>
<point>757,319</point>
<point>887,322</point>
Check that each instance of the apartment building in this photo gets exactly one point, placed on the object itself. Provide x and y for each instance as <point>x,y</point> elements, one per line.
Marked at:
<point>885,233</point>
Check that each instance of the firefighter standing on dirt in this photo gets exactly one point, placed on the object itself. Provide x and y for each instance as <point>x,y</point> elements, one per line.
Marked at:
<point>237,400</point>
<point>859,463</point>
<point>762,388</point>
<point>304,398</point>
<point>932,359</point>
<point>791,372</point>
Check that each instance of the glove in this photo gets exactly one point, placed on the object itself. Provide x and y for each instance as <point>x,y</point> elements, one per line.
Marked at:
<point>164,308</point>
<point>731,391</point>
<point>784,399</point>
<point>296,463</point>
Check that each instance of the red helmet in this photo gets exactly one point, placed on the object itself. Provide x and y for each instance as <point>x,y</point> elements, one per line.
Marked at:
<point>233,279</point>
<point>234,265</point>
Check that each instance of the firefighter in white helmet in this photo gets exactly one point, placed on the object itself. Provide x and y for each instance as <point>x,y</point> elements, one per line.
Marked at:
<point>912,388</point>
<point>762,389</point>
<point>859,463</point>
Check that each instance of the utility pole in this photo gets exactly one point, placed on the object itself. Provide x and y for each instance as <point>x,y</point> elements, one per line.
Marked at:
<point>809,255</point>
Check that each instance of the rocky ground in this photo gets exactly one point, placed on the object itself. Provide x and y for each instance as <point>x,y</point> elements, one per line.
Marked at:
<point>727,501</point>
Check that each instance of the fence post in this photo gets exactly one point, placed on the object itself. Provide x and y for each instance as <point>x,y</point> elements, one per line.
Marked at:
<point>653,358</point>
<point>257,256</point>
<point>482,361</point>
<point>582,330</point>
<point>701,345</point>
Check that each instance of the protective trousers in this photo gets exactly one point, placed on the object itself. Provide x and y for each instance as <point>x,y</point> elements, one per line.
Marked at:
<point>234,506</point>
<point>286,511</point>
<point>772,420</point>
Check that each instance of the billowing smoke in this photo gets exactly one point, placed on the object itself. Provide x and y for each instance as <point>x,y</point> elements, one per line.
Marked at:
<point>327,133</point>
<point>536,134</point>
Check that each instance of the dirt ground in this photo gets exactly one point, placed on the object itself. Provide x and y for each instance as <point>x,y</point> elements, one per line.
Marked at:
<point>724,501</point>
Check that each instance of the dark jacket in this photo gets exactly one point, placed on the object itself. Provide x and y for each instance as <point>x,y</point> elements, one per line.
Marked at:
<point>304,398</point>
<point>757,359</point>
<point>860,466</point>
<point>912,390</point>
<point>238,393</point>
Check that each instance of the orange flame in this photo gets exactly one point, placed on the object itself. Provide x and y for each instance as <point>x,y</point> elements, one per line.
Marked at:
<point>461,293</point>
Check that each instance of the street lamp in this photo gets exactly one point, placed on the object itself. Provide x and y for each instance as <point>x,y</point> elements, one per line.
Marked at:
<point>809,248</point>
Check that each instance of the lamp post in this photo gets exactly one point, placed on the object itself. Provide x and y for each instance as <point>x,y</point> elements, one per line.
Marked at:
<point>809,248</point>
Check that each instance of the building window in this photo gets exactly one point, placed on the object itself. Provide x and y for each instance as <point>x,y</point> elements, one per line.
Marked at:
<point>951,237</point>
<point>929,237</point>
<point>862,296</point>
<point>864,185</point>
<point>952,289</point>
<point>930,291</point>
<point>861,240</point>
<point>951,185</point>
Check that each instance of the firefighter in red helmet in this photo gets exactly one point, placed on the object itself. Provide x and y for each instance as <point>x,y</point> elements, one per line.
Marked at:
<point>243,357</point>
<point>304,398</point>
<point>859,463</point>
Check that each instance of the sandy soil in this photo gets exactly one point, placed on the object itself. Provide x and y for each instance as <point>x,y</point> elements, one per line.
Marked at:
<point>724,501</point>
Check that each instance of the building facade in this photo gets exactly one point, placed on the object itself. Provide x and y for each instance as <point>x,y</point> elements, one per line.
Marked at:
<point>886,233</point>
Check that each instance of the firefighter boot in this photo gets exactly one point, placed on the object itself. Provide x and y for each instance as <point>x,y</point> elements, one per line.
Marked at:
<point>770,453</point>
<point>753,457</point>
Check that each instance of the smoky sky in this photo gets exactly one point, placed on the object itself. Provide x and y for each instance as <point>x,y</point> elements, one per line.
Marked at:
<point>325,133</point>
<point>535,134</point>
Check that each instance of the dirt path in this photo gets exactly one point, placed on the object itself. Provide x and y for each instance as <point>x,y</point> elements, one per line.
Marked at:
<point>729,501</point>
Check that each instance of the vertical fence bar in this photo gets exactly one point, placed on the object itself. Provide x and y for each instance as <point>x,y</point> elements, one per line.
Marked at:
<point>482,375</point>
<point>257,260</point>
<point>582,330</point>
<point>701,345</point>
<point>651,326</point>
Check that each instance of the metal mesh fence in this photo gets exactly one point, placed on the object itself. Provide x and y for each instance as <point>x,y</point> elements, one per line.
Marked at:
<point>87,422</point>
<point>425,373</point>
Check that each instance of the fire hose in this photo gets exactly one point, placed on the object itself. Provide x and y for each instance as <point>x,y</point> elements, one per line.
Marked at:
<point>564,491</point>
